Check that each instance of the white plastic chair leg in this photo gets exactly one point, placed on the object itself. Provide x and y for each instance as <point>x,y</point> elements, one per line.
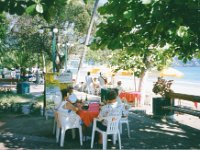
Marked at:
<point>93,136</point>
<point>104,141</point>
<point>46,115</point>
<point>129,135</point>
<point>120,128</point>
<point>57,134</point>
<point>128,128</point>
<point>119,140</point>
<point>81,136</point>
<point>73,134</point>
<point>114,138</point>
<point>62,138</point>
<point>54,126</point>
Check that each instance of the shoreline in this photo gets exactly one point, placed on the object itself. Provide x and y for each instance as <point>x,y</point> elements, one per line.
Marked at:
<point>184,87</point>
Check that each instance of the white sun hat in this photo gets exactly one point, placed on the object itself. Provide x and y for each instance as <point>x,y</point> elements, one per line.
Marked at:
<point>72,98</point>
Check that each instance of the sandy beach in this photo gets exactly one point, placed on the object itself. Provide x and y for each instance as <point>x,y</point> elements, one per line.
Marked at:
<point>179,87</point>
<point>184,87</point>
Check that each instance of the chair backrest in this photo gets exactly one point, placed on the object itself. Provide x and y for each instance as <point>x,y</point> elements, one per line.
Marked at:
<point>57,99</point>
<point>93,107</point>
<point>126,107</point>
<point>68,120</point>
<point>112,124</point>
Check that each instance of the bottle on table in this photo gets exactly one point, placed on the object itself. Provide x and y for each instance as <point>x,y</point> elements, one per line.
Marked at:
<point>86,99</point>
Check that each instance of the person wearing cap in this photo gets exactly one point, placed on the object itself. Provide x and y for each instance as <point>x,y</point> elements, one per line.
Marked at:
<point>69,100</point>
<point>70,96</point>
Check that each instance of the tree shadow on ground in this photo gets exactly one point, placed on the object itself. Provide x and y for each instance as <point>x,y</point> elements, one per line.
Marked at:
<point>150,133</point>
<point>34,132</point>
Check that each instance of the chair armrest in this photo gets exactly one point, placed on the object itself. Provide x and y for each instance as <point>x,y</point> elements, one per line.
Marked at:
<point>95,121</point>
<point>98,119</point>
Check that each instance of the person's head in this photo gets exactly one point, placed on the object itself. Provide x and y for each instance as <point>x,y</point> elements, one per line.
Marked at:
<point>111,95</point>
<point>116,90</point>
<point>72,98</point>
<point>64,93</point>
<point>70,89</point>
<point>119,83</point>
<point>88,73</point>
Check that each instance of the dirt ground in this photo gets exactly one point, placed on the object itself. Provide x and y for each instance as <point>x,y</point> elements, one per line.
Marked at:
<point>25,124</point>
<point>19,131</point>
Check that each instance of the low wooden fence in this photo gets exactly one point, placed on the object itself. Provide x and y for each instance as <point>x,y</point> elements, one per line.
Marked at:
<point>8,84</point>
<point>181,108</point>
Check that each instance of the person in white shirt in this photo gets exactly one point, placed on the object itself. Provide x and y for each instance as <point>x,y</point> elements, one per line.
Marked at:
<point>70,96</point>
<point>88,80</point>
<point>112,108</point>
<point>13,73</point>
<point>17,73</point>
<point>119,87</point>
<point>70,100</point>
<point>101,80</point>
<point>95,86</point>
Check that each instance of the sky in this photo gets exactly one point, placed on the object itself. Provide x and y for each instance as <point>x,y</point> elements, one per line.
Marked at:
<point>101,2</point>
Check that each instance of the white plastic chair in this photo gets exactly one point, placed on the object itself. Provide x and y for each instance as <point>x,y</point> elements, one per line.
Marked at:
<point>56,99</point>
<point>57,103</point>
<point>124,120</point>
<point>112,129</point>
<point>68,121</point>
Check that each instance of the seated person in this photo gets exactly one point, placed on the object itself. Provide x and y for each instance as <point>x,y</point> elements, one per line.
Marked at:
<point>119,87</point>
<point>70,96</point>
<point>118,99</point>
<point>69,101</point>
<point>126,106</point>
<point>80,87</point>
<point>112,108</point>
<point>95,86</point>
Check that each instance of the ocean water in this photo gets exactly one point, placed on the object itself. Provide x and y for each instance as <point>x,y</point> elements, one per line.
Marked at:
<point>190,75</point>
<point>189,83</point>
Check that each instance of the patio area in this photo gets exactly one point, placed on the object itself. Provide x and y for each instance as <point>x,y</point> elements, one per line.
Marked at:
<point>34,132</point>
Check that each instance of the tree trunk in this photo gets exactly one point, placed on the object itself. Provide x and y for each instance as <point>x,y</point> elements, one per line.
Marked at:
<point>43,62</point>
<point>141,87</point>
<point>87,37</point>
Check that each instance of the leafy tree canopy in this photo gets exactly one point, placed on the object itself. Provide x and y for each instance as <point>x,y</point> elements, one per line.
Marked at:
<point>24,35</point>
<point>45,8</point>
<point>170,26</point>
<point>3,26</point>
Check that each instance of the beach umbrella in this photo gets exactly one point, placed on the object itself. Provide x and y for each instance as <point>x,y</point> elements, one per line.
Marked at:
<point>94,70</point>
<point>109,73</point>
<point>171,72</point>
<point>124,73</point>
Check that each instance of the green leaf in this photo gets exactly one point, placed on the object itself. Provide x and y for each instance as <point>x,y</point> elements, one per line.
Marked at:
<point>85,1</point>
<point>128,14</point>
<point>31,9</point>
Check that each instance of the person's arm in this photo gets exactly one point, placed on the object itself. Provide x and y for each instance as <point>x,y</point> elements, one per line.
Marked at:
<point>103,112</point>
<point>69,106</point>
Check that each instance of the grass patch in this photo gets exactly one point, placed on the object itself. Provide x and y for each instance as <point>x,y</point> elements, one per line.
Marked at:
<point>15,98</point>
<point>40,98</point>
<point>12,102</point>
